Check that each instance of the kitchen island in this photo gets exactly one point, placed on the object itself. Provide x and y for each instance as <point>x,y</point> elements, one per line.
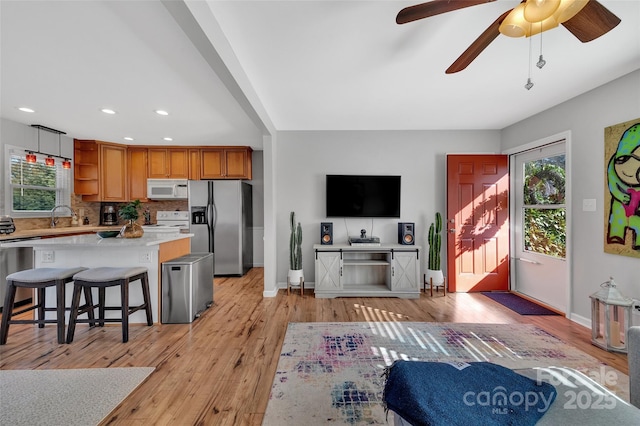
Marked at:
<point>90,251</point>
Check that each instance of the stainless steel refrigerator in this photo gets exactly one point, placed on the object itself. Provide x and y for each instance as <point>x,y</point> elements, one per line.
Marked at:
<point>221,219</point>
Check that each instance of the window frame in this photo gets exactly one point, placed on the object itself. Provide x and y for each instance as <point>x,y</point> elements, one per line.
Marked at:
<point>63,190</point>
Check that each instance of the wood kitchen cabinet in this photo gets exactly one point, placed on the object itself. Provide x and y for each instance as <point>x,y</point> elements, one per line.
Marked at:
<point>100,170</point>
<point>225,163</point>
<point>172,163</point>
<point>138,170</point>
<point>194,164</point>
<point>113,166</point>
<point>85,168</point>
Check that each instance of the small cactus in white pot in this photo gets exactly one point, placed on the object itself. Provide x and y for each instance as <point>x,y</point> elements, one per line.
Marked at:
<point>295,274</point>
<point>435,243</point>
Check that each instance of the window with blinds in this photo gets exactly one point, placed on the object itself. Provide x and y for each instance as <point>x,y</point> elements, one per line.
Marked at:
<point>36,188</point>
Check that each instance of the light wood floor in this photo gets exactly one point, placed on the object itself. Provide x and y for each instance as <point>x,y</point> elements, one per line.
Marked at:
<point>218,370</point>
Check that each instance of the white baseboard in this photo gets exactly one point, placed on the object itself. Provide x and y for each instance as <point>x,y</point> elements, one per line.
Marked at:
<point>585,322</point>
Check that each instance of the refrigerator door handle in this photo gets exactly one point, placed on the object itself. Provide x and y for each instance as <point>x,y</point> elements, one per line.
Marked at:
<point>211,217</point>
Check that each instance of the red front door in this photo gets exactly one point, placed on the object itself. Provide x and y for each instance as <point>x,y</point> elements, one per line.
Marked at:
<point>477,222</point>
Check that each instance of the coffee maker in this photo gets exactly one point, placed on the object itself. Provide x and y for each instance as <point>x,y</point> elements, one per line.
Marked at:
<point>108,214</point>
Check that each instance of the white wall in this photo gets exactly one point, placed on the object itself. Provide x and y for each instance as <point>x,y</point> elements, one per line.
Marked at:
<point>304,158</point>
<point>586,117</point>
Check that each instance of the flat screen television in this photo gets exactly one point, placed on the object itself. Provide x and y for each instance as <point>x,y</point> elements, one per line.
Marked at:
<point>363,196</point>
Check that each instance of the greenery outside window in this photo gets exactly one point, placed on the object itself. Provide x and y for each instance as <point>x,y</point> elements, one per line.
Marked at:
<point>35,188</point>
<point>544,206</point>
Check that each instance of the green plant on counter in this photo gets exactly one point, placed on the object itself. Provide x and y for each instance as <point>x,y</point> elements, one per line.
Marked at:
<point>295,244</point>
<point>435,242</point>
<point>130,211</point>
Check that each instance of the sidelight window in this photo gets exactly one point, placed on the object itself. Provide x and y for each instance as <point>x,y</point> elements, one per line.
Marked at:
<point>544,209</point>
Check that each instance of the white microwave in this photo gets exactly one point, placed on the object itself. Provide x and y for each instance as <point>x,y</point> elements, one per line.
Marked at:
<point>167,189</point>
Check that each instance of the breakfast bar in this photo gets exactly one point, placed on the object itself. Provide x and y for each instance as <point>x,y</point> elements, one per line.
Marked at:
<point>91,251</point>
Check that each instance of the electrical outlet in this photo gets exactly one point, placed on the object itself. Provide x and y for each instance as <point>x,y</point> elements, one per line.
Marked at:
<point>47,256</point>
<point>145,257</point>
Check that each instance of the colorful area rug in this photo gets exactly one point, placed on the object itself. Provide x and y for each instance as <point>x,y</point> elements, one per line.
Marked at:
<point>65,397</point>
<point>333,372</point>
<point>518,304</point>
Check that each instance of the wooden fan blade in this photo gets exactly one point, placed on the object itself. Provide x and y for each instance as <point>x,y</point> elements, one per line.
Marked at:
<point>593,21</point>
<point>478,45</point>
<point>432,8</point>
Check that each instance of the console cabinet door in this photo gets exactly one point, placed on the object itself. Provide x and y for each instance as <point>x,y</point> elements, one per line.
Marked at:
<point>328,267</point>
<point>405,271</point>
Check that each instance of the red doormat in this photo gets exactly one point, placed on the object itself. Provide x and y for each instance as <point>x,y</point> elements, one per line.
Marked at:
<point>518,304</point>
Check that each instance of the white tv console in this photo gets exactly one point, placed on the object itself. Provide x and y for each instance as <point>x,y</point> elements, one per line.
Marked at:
<point>386,270</point>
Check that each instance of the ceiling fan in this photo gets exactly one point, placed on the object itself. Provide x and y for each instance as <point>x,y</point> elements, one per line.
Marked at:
<point>585,19</point>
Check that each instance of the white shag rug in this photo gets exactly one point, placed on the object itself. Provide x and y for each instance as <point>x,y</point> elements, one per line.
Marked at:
<point>65,397</point>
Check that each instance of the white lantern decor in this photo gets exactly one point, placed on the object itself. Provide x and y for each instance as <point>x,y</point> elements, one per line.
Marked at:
<point>610,317</point>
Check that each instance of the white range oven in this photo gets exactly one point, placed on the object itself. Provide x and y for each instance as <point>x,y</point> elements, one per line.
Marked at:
<point>169,221</point>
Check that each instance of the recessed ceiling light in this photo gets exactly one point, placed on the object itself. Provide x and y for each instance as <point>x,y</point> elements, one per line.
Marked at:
<point>128,138</point>
<point>168,139</point>
<point>25,109</point>
<point>161,112</point>
<point>108,111</point>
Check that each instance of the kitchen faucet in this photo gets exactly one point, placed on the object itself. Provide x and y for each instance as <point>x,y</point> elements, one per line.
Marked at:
<point>54,221</point>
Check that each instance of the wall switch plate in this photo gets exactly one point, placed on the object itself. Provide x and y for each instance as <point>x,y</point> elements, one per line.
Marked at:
<point>145,257</point>
<point>589,205</point>
<point>47,256</point>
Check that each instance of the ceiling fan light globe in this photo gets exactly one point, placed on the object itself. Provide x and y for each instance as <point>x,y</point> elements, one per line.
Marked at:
<point>539,27</point>
<point>539,10</point>
<point>514,25</point>
<point>568,9</point>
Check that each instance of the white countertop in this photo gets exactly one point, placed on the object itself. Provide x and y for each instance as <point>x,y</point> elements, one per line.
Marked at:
<point>82,242</point>
<point>60,231</point>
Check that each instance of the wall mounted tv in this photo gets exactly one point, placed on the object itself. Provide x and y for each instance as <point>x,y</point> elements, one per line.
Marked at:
<point>363,196</point>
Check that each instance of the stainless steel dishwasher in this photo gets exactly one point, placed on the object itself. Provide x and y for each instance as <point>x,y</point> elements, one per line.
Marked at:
<point>12,260</point>
<point>187,287</point>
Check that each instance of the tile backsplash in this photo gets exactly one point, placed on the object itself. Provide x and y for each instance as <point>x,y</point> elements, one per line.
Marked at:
<point>92,211</point>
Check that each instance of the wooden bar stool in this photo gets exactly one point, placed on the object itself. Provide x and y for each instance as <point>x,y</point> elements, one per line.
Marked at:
<point>101,278</point>
<point>39,279</point>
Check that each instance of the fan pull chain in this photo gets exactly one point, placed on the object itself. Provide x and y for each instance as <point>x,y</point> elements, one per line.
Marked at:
<point>541,61</point>
<point>529,84</point>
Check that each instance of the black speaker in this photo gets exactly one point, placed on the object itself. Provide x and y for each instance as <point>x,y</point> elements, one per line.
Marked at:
<point>406,233</point>
<point>326,233</point>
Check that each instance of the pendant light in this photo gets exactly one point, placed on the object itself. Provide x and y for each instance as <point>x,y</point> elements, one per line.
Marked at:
<point>50,160</point>
<point>66,162</point>
<point>31,157</point>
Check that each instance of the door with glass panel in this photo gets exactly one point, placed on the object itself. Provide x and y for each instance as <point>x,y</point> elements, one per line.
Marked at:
<point>539,266</point>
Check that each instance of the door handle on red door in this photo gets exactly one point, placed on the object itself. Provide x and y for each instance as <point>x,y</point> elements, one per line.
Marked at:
<point>452,230</point>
